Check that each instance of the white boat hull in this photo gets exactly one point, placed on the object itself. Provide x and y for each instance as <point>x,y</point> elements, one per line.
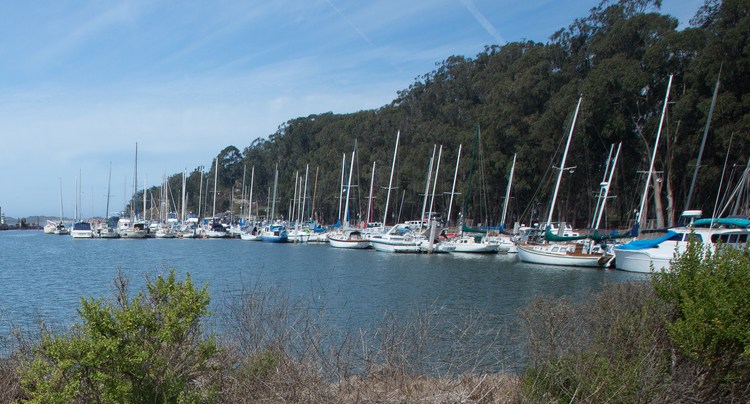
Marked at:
<point>441,247</point>
<point>540,255</point>
<point>342,241</point>
<point>298,238</point>
<point>82,234</point>
<point>476,248</point>
<point>395,246</point>
<point>131,233</point>
<point>216,234</point>
<point>250,237</point>
<point>639,261</point>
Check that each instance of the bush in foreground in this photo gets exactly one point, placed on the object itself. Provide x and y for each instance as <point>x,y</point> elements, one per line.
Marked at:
<point>709,294</point>
<point>145,349</point>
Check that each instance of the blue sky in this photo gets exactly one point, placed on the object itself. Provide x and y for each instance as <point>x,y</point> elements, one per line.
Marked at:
<point>81,82</point>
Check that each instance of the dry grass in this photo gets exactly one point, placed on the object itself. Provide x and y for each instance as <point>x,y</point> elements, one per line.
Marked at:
<point>283,350</point>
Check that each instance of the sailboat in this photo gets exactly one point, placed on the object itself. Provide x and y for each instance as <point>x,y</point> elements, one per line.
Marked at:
<point>131,227</point>
<point>107,229</point>
<point>251,232</point>
<point>57,228</point>
<point>471,240</point>
<point>563,253</point>
<point>275,232</point>
<point>505,242</point>
<point>216,229</point>
<point>81,228</point>
<point>347,236</point>
<point>400,238</point>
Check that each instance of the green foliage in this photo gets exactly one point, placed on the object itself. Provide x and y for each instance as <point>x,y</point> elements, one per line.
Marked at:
<point>710,292</point>
<point>145,349</point>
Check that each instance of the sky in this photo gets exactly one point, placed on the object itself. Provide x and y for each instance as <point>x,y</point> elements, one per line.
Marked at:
<point>81,82</point>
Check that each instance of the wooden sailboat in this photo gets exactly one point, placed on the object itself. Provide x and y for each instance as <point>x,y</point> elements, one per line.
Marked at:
<point>563,253</point>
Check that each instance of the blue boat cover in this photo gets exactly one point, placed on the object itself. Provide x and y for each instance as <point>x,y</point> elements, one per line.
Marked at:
<point>643,244</point>
<point>724,221</point>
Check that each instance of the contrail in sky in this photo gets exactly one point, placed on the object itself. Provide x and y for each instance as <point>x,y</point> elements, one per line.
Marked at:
<point>351,24</point>
<point>486,24</point>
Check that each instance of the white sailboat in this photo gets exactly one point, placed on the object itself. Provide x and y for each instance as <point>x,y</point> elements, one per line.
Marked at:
<point>565,253</point>
<point>81,228</point>
<point>399,238</point>
<point>346,236</point>
<point>506,243</point>
<point>275,232</point>
<point>59,227</point>
<point>251,231</point>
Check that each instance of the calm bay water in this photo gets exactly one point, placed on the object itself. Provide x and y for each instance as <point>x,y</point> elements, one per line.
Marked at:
<point>44,276</point>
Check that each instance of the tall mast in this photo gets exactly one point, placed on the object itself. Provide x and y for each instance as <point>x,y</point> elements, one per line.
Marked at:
<point>606,186</point>
<point>689,198</point>
<point>349,187</point>
<point>183,199</point>
<point>216,180</point>
<point>453,188</point>
<point>341,189</point>
<point>594,221</point>
<point>315,193</point>
<point>471,172</point>
<point>390,181</point>
<point>109,184</point>
<point>304,193</point>
<point>369,200</point>
<point>242,204</point>
<point>562,164</point>
<point>200,197</point>
<point>135,186</point>
<point>144,199</point>
<point>252,180</point>
<point>507,191</point>
<point>427,185</point>
<point>434,184</point>
<point>61,201</point>
<point>275,184</point>
<point>653,154</point>
<point>293,205</point>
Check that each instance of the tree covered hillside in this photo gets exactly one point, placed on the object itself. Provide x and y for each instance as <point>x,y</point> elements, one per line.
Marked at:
<point>522,96</point>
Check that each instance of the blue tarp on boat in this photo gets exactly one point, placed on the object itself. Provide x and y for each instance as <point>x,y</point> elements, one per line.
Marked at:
<point>643,244</point>
<point>724,221</point>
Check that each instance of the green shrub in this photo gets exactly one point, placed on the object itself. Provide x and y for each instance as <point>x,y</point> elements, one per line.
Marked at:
<point>710,325</point>
<point>145,349</point>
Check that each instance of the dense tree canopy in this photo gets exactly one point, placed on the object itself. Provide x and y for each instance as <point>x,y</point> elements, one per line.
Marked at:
<point>522,96</point>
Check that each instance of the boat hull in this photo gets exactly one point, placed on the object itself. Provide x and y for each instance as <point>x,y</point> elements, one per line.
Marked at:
<point>640,261</point>
<point>250,237</point>
<point>130,233</point>
<point>344,241</point>
<point>395,246</point>
<point>82,234</point>
<point>476,248</point>
<point>274,239</point>
<point>539,255</point>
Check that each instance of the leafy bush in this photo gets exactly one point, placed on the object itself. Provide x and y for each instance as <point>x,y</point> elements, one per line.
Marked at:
<point>145,349</point>
<point>710,324</point>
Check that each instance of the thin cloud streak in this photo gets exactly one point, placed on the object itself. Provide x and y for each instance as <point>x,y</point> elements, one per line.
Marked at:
<point>483,21</point>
